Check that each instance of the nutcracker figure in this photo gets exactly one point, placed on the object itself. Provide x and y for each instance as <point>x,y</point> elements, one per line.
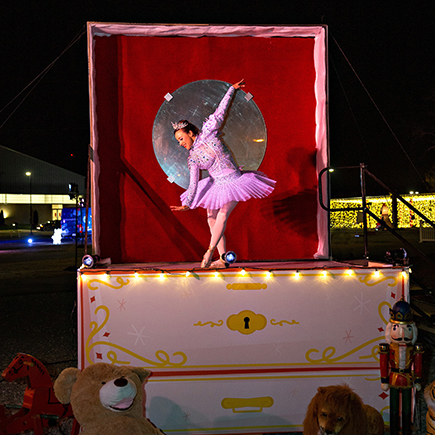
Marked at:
<point>401,365</point>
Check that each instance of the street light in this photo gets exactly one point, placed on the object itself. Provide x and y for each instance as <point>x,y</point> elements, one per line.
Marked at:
<point>29,174</point>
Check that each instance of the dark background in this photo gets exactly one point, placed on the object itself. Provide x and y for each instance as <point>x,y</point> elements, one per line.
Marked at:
<point>381,77</point>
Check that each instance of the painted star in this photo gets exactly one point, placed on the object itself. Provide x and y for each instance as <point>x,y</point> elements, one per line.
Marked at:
<point>138,335</point>
<point>278,347</point>
<point>121,304</point>
<point>362,304</point>
<point>348,337</point>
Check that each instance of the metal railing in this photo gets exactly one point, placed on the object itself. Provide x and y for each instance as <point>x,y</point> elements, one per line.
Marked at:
<point>364,172</point>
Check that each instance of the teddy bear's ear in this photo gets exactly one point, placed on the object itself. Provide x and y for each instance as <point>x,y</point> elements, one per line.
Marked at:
<point>64,383</point>
<point>142,373</point>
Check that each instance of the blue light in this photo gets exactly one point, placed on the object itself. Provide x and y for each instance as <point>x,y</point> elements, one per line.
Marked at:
<point>230,257</point>
<point>29,241</point>
<point>90,260</point>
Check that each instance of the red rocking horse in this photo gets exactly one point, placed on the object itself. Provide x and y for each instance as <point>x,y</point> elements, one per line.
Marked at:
<point>40,405</point>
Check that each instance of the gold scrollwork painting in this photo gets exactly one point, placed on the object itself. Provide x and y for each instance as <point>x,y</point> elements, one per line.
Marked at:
<point>210,323</point>
<point>162,358</point>
<point>120,283</point>
<point>281,322</point>
<point>328,355</point>
<point>371,280</point>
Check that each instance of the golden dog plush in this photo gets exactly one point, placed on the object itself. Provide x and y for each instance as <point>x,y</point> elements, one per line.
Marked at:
<point>338,410</point>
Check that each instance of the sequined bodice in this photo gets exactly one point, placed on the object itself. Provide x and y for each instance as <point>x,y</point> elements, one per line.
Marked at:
<point>212,156</point>
<point>208,151</point>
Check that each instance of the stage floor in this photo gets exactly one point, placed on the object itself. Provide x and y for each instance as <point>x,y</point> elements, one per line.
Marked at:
<point>254,265</point>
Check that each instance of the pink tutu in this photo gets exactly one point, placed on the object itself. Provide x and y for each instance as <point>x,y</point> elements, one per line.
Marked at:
<point>213,193</point>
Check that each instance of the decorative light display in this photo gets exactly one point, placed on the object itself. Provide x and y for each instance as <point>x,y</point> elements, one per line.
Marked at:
<point>346,272</point>
<point>406,218</point>
<point>57,236</point>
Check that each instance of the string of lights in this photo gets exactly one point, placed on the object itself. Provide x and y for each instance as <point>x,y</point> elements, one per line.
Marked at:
<point>247,272</point>
<point>406,218</point>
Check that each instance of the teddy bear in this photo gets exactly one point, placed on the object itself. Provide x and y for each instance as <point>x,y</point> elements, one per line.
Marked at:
<point>106,399</point>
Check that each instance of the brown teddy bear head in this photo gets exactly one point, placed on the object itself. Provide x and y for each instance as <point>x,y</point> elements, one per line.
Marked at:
<point>102,391</point>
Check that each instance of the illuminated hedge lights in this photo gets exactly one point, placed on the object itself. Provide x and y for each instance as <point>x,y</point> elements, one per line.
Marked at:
<point>406,218</point>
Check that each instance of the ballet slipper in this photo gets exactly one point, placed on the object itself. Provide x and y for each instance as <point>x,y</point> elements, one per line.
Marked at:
<point>219,264</point>
<point>206,260</point>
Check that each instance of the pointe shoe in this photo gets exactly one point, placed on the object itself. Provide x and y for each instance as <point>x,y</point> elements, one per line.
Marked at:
<point>219,264</point>
<point>206,260</point>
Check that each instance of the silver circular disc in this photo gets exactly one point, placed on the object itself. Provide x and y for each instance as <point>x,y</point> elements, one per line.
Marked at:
<point>243,132</point>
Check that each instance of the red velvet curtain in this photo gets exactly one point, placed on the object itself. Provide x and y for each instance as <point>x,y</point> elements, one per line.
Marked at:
<point>132,74</point>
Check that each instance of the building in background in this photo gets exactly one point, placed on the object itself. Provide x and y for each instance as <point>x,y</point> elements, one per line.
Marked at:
<point>33,189</point>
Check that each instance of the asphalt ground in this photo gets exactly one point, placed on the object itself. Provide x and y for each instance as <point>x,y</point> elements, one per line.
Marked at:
<point>38,313</point>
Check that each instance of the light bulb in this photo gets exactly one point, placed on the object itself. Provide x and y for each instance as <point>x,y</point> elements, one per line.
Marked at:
<point>297,274</point>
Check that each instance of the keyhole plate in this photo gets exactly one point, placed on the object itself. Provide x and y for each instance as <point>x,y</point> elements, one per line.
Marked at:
<point>246,322</point>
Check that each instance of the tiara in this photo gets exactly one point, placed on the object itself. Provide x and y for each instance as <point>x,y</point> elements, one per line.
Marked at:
<point>178,125</point>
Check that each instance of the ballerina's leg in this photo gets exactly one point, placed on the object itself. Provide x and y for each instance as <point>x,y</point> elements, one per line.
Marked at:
<point>218,230</point>
<point>211,219</point>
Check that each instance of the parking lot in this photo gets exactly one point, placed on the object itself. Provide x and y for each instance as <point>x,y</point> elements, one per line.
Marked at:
<point>38,298</point>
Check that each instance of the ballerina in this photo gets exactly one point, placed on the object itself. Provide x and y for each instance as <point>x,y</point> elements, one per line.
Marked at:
<point>227,184</point>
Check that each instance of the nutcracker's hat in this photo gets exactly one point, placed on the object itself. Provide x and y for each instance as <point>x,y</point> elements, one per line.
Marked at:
<point>401,312</point>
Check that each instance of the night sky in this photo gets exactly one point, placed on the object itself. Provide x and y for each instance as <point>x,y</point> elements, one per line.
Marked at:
<point>381,77</point>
